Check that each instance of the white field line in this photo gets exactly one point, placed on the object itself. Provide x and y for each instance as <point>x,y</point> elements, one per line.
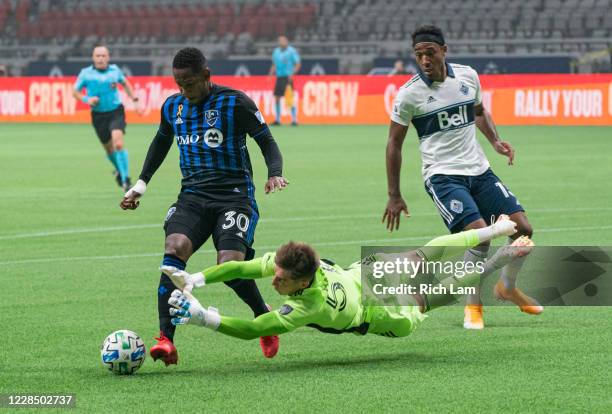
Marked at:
<point>370,242</point>
<point>80,230</point>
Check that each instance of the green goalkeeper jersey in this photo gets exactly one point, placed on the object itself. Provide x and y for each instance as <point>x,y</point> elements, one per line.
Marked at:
<point>331,303</point>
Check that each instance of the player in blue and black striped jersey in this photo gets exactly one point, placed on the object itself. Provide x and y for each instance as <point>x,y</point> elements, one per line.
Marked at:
<point>209,123</point>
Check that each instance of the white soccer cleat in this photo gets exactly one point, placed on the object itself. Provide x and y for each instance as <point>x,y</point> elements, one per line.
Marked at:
<point>504,226</point>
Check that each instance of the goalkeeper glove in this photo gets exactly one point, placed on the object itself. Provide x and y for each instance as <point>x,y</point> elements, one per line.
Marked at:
<point>186,309</point>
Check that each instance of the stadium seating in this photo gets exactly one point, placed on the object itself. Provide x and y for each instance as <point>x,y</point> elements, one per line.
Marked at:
<point>240,27</point>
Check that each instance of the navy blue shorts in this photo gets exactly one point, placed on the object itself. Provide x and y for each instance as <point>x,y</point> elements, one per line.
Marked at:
<point>463,199</point>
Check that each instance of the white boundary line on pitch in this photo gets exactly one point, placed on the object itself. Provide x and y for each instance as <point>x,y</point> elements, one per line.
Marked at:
<point>80,230</point>
<point>317,245</point>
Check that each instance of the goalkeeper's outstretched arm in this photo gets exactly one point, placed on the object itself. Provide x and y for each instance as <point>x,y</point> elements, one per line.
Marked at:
<point>264,325</point>
<point>186,309</point>
<point>251,269</point>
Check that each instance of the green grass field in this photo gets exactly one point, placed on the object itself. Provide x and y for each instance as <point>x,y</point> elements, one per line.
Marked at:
<point>75,267</point>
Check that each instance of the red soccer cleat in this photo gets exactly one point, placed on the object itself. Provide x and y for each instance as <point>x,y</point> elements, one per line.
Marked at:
<point>165,350</point>
<point>269,344</point>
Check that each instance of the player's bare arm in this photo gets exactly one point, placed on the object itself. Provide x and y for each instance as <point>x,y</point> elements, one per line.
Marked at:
<point>129,89</point>
<point>296,69</point>
<point>396,204</point>
<point>484,122</point>
<point>91,101</point>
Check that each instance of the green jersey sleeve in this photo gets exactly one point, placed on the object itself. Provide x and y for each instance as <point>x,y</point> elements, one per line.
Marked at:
<point>264,325</point>
<point>251,269</point>
<point>298,311</point>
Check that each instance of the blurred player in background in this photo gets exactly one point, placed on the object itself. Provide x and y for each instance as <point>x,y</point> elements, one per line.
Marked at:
<point>100,81</point>
<point>324,296</point>
<point>443,102</point>
<point>285,64</point>
<point>209,123</point>
<point>398,68</point>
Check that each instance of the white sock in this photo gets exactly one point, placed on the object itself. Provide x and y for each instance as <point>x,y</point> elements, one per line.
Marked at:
<point>474,255</point>
<point>510,271</point>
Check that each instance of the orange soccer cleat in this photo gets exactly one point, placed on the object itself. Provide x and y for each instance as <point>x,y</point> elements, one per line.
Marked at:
<point>472,318</point>
<point>523,246</point>
<point>525,303</point>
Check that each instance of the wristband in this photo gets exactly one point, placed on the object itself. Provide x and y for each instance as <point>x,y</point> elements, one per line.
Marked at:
<point>140,187</point>
<point>212,319</point>
<point>85,100</point>
<point>198,279</point>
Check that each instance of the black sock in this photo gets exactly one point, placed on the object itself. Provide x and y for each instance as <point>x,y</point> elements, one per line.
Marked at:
<point>246,289</point>
<point>163,294</point>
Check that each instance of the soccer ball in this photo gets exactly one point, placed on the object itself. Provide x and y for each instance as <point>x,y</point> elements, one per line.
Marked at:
<point>123,352</point>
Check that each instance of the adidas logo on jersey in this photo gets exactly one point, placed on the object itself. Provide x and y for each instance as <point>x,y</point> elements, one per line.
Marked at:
<point>240,234</point>
<point>446,121</point>
<point>431,99</point>
<point>178,121</point>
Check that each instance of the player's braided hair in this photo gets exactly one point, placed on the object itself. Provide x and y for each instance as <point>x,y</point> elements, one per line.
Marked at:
<point>298,258</point>
<point>189,57</point>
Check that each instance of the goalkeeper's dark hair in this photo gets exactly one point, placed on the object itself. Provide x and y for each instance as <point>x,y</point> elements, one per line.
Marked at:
<point>189,57</point>
<point>299,259</point>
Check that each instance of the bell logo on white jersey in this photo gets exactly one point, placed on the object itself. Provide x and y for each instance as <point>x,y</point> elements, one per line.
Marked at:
<point>446,121</point>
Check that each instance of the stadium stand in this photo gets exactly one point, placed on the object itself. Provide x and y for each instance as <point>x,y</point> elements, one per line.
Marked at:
<point>356,30</point>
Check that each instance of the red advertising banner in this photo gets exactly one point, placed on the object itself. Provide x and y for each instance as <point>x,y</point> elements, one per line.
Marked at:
<point>512,99</point>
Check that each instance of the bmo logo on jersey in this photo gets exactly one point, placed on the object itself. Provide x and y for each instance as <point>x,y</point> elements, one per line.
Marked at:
<point>453,117</point>
<point>187,139</point>
<point>213,137</point>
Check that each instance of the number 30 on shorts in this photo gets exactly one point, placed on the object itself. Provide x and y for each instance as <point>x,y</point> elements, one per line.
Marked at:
<point>231,219</point>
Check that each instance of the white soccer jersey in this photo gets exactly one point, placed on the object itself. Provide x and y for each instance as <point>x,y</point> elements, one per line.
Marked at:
<point>443,116</point>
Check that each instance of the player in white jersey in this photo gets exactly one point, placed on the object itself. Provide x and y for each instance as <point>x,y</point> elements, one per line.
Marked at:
<point>443,102</point>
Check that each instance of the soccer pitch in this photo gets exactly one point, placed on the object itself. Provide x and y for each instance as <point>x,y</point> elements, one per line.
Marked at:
<point>76,267</point>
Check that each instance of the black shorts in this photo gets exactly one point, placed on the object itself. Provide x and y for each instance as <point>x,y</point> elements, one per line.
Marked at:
<point>105,122</point>
<point>281,85</point>
<point>231,224</point>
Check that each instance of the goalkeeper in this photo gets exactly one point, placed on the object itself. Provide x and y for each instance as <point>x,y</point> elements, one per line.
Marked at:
<point>326,297</point>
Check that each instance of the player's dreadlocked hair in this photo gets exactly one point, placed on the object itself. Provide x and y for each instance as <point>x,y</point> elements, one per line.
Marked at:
<point>189,57</point>
<point>298,258</point>
<point>428,33</point>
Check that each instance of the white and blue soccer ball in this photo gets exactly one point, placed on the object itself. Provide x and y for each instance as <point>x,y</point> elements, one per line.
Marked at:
<point>123,352</point>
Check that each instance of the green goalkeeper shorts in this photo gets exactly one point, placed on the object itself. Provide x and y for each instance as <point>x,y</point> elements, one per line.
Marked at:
<point>394,321</point>
<point>390,321</point>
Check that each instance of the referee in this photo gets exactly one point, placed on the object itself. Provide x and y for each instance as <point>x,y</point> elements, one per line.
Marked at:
<point>285,63</point>
<point>107,113</point>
